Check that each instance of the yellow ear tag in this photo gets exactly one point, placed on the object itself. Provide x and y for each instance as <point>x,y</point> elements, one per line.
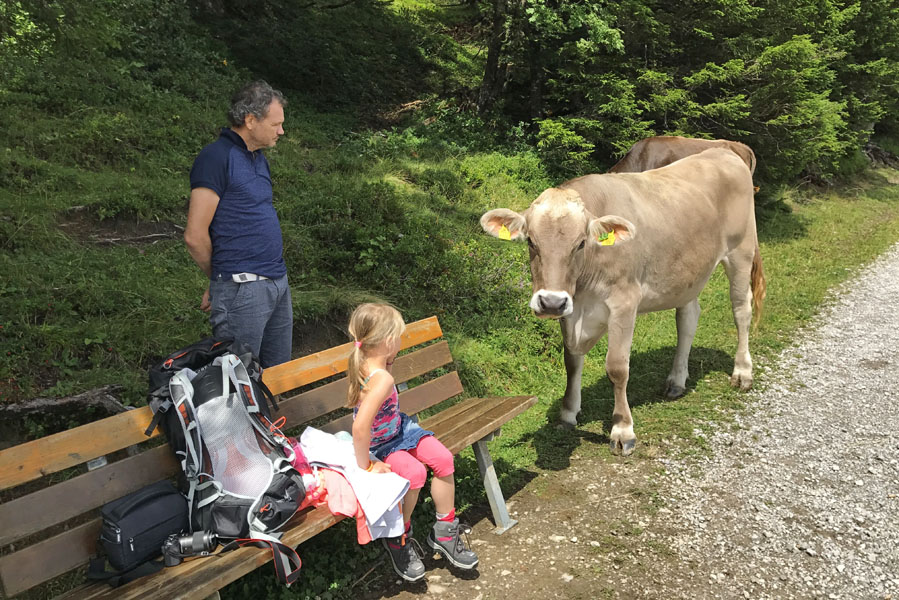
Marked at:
<point>607,239</point>
<point>504,234</point>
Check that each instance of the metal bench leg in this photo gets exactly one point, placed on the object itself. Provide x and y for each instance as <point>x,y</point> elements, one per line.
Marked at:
<point>491,484</point>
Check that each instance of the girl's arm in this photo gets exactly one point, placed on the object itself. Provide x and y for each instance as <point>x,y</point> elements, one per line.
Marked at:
<point>379,388</point>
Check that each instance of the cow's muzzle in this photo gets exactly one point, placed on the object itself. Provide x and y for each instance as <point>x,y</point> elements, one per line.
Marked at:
<point>551,304</point>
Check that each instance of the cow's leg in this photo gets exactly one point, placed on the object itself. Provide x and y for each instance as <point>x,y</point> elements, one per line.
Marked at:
<point>621,334</point>
<point>738,267</point>
<point>571,401</point>
<point>687,317</point>
<point>580,332</point>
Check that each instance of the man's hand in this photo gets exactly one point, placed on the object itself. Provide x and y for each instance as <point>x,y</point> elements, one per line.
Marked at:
<point>205,305</point>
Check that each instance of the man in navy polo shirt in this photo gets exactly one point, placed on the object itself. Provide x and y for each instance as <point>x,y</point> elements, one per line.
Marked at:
<point>233,232</point>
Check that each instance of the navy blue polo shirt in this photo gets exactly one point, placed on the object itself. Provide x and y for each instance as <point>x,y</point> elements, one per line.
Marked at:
<point>245,232</point>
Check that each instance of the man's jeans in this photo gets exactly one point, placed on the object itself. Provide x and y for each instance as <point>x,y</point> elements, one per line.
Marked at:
<point>257,313</point>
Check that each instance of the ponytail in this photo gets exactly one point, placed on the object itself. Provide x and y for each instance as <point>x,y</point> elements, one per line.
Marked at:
<point>355,380</point>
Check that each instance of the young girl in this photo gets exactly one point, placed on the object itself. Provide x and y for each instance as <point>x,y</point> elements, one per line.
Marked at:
<point>398,442</point>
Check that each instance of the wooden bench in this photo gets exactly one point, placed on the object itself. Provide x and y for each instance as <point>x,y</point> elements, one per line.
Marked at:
<point>50,528</point>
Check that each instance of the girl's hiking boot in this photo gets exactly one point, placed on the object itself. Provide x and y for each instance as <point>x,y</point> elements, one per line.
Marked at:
<point>446,538</point>
<point>405,554</point>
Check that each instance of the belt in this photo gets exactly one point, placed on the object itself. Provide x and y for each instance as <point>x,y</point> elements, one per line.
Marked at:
<point>245,277</point>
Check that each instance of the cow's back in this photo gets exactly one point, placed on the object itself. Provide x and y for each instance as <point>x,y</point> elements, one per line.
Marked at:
<point>660,151</point>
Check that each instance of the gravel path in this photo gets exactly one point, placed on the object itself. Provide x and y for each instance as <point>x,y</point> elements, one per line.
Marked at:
<point>803,500</point>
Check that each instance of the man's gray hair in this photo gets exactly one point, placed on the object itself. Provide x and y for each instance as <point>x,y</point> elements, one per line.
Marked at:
<point>253,99</point>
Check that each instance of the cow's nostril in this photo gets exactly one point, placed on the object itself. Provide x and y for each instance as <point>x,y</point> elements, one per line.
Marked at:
<point>551,303</point>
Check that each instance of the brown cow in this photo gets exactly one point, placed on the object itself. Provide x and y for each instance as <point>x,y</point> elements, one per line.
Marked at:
<point>604,248</point>
<point>655,152</point>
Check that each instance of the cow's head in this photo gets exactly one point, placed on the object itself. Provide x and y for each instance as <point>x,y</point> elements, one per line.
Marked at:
<point>560,233</point>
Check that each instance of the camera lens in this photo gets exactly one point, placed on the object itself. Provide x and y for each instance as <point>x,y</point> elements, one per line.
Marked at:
<point>201,541</point>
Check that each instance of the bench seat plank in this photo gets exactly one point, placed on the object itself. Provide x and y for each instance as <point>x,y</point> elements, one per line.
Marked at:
<point>487,415</point>
<point>197,579</point>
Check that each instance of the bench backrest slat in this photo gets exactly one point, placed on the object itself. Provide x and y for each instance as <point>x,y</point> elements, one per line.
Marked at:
<point>56,504</point>
<point>332,396</point>
<point>321,365</point>
<point>47,559</point>
<point>412,401</point>
<point>428,394</point>
<point>31,460</point>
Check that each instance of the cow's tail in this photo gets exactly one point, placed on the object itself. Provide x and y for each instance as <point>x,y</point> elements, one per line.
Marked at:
<point>759,285</point>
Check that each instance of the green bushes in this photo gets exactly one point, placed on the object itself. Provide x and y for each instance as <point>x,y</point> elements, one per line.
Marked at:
<point>805,84</point>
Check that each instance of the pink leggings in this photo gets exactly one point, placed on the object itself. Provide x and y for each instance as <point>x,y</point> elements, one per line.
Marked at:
<point>410,464</point>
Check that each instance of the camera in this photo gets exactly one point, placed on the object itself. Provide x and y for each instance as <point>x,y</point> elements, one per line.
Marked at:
<point>179,546</point>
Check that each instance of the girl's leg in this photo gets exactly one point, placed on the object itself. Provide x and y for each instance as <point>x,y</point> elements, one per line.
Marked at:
<point>446,535</point>
<point>408,467</point>
<point>443,487</point>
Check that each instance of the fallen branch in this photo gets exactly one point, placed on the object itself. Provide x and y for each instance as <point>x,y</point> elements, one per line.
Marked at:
<point>139,238</point>
<point>103,398</point>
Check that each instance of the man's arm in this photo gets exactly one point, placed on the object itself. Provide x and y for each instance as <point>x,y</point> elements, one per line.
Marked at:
<point>203,203</point>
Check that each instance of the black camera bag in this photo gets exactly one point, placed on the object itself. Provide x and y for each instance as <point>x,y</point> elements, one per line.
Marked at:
<point>133,530</point>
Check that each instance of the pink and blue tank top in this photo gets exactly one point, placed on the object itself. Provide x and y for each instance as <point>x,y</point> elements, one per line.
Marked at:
<point>386,423</point>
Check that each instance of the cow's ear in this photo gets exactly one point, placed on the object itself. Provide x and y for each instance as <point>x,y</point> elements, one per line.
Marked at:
<point>505,224</point>
<point>611,230</point>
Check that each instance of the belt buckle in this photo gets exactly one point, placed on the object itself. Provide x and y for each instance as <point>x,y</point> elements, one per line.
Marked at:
<point>246,277</point>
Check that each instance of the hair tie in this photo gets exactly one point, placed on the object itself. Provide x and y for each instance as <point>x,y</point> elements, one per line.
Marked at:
<point>358,343</point>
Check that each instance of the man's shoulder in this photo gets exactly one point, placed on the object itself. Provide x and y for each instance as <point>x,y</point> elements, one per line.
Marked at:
<point>219,150</point>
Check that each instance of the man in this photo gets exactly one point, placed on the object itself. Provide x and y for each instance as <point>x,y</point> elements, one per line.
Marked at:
<point>233,232</point>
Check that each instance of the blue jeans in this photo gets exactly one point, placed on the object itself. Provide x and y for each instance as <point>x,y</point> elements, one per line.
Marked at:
<point>257,313</point>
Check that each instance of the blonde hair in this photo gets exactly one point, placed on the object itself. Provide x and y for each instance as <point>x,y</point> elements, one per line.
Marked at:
<point>370,325</point>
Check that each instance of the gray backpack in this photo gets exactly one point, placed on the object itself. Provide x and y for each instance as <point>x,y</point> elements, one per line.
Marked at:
<point>240,484</point>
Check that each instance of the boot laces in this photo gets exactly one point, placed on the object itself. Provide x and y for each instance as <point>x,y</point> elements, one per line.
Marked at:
<point>460,530</point>
<point>413,549</point>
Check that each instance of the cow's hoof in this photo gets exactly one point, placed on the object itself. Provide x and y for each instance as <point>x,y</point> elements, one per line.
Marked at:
<point>673,391</point>
<point>625,448</point>
<point>565,426</point>
<point>744,382</point>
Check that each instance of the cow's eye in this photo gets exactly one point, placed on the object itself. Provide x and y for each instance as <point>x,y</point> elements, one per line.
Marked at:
<point>531,244</point>
<point>581,245</point>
